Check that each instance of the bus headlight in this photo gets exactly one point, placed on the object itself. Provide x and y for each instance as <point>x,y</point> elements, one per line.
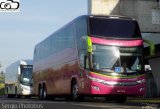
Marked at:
<point>141,81</point>
<point>112,83</point>
<point>103,81</point>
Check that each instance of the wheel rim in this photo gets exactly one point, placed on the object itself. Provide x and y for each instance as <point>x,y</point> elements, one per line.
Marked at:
<point>40,93</point>
<point>44,94</point>
<point>75,91</point>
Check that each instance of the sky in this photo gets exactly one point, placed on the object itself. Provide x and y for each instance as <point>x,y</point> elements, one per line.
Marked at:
<point>37,19</point>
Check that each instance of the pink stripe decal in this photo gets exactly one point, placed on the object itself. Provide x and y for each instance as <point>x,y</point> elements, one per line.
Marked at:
<point>128,43</point>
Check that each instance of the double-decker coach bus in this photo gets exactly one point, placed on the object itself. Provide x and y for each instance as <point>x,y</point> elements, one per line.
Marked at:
<point>91,56</point>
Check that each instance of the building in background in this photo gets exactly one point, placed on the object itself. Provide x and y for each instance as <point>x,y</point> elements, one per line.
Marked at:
<point>146,12</point>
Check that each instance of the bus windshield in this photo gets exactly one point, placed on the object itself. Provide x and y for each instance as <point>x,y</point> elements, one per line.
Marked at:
<point>26,74</point>
<point>113,59</point>
<point>117,28</point>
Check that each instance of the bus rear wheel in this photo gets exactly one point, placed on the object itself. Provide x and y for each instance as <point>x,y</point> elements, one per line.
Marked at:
<point>42,93</point>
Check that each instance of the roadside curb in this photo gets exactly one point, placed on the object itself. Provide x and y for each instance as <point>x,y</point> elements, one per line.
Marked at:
<point>144,100</point>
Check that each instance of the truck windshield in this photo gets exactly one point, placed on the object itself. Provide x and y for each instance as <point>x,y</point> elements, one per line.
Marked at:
<point>113,59</point>
<point>26,74</point>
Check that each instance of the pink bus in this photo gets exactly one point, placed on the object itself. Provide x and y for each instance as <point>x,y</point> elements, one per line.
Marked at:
<point>91,56</point>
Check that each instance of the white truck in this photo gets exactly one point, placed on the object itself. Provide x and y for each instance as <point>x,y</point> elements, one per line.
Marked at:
<point>18,79</point>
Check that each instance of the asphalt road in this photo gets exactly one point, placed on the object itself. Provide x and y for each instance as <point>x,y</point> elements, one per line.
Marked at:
<point>34,103</point>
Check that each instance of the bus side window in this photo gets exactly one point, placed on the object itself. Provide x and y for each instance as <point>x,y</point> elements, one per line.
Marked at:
<point>81,54</point>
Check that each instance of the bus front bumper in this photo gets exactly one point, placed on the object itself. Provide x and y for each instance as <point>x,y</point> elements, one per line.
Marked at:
<point>101,89</point>
<point>134,86</point>
<point>26,90</point>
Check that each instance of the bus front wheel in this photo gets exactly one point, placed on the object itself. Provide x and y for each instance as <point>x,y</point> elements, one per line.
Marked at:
<point>74,91</point>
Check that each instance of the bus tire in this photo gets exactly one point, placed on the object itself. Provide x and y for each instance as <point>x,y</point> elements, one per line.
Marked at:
<point>44,92</point>
<point>40,92</point>
<point>74,91</point>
